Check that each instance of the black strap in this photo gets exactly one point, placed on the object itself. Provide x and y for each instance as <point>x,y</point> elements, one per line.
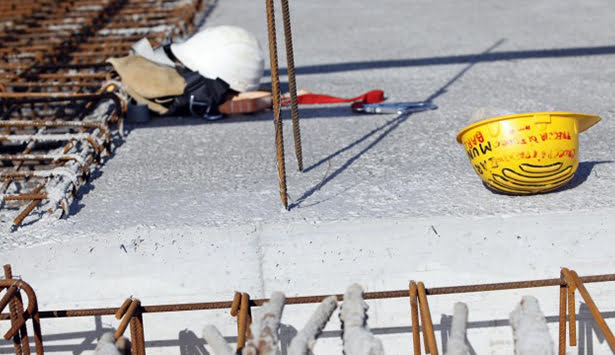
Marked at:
<point>169,52</point>
<point>201,96</point>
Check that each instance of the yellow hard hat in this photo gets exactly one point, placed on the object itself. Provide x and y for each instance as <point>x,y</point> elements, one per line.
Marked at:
<point>526,153</point>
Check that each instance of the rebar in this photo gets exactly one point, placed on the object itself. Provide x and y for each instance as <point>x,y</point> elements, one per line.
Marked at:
<point>414,311</point>
<point>275,93</point>
<point>130,312</point>
<point>591,305</point>
<point>86,137</point>
<point>572,326</point>
<point>243,321</point>
<point>57,49</point>
<point>20,340</point>
<point>426,321</point>
<point>562,320</point>
<point>132,309</point>
<point>292,85</point>
<point>31,312</point>
<point>137,337</point>
<point>318,298</point>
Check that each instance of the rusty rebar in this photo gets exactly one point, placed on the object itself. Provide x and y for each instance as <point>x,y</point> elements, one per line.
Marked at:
<point>10,292</point>
<point>414,311</point>
<point>314,299</point>
<point>562,320</point>
<point>25,197</point>
<point>29,208</point>
<point>123,308</point>
<point>235,304</point>
<point>427,323</point>
<point>243,321</point>
<point>137,337</point>
<point>606,331</point>
<point>130,312</point>
<point>95,133</point>
<point>571,287</point>
<point>30,313</point>
<point>275,93</point>
<point>292,84</point>
<point>80,34</point>
<point>20,339</point>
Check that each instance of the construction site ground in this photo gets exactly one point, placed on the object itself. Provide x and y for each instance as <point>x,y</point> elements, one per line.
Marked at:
<point>188,210</point>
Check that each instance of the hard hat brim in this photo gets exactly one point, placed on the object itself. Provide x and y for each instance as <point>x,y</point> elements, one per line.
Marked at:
<point>584,120</point>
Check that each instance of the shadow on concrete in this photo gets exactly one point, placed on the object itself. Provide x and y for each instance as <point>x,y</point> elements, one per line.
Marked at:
<point>583,172</point>
<point>383,130</point>
<point>189,344</point>
<point>452,59</point>
<point>320,112</point>
<point>304,112</point>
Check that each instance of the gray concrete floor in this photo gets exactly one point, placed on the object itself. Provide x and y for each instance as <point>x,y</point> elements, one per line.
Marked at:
<point>522,56</point>
<point>383,199</point>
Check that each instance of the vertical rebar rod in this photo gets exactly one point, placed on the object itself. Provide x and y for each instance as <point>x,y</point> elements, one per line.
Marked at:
<point>275,88</point>
<point>414,312</point>
<point>20,340</point>
<point>571,287</point>
<point>606,331</point>
<point>243,321</point>
<point>427,325</point>
<point>562,320</point>
<point>423,329</point>
<point>292,84</point>
<point>136,334</point>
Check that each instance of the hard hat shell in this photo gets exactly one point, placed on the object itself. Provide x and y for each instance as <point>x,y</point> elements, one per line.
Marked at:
<point>526,153</point>
<point>227,52</point>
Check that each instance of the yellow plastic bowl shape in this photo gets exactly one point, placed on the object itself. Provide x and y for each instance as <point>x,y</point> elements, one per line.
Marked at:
<point>526,153</point>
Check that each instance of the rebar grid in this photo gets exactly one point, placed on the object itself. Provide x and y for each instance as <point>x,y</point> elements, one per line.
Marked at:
<point>130,312</point>
<point>52,64</point>
<point>83,33</point>
<point>47,157</point>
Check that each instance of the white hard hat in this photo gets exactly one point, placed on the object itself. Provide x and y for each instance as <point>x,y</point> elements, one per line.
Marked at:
<point>226,52</point>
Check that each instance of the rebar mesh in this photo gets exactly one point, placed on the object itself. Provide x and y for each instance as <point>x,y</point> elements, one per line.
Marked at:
<point>58,111</point>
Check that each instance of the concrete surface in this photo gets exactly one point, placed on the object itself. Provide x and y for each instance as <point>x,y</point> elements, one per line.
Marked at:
<point>384,199</point>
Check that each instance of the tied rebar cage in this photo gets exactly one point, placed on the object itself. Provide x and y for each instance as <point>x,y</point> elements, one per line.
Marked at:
<point>45,160</point>
<point>130,312</point>
<point>60,103</point>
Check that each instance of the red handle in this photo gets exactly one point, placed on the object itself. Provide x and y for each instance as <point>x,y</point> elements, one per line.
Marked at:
<point>369,97</point>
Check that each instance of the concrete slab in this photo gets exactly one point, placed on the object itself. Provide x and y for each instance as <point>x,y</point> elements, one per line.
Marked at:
<point>384,199</point>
